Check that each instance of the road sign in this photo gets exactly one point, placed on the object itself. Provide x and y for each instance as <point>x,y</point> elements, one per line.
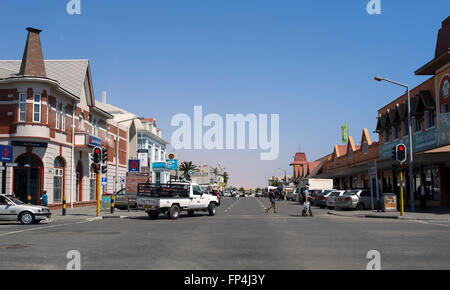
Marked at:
<point>134,166</point>
<point>6,153</point>
<point>104,180</point>
<point>191,172</point>
<point>12,164</point>
<point>122,180</point>
<point>171,156</point>
<point>172,164</point>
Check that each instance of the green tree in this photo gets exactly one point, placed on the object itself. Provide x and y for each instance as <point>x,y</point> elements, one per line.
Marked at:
<point>185,167</point>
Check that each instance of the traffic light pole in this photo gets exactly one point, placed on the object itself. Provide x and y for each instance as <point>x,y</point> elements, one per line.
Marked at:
<point>98,194</point>
<point>402,207</point>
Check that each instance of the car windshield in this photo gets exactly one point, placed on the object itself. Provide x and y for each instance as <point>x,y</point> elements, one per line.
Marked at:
<point>351,192</point>
<point>15,200</point>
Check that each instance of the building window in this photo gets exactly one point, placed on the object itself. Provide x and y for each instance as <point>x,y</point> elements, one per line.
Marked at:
<point>58,180</point>
<point>58,115</point>
<point>417,124</point>
<point>22,108</point>
<point>63,118</point>
<point>365,147</point>
<point>350,152</point>
<point>429,119</point>
<point>386,136</point>
<point>395,133</point>
<point>81,123</point>
<point>405,129</point>
<point>37,108</point>
<point>92,186</point>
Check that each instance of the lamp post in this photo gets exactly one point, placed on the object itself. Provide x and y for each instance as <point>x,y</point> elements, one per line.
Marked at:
<point>117,147</point>
<point>411,156</point>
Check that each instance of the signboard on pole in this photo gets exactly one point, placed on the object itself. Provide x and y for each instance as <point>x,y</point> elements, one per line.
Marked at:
<point>6,154</point>
<point>172,164</point>
<point>143,158</point>
<point>134,165</point>
<point>104,181</point>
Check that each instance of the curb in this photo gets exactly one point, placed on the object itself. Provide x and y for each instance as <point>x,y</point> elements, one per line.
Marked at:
<point>387,217</point>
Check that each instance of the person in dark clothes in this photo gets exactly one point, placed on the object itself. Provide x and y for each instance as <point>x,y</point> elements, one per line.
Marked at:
<point>272,198</point>
<point>423,194</point>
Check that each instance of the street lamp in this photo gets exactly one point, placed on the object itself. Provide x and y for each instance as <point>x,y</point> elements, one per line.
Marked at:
<point>411,156</point>
<point>117,147</point>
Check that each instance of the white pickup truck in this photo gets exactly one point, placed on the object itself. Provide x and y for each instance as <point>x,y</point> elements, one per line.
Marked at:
<point>173,198</point>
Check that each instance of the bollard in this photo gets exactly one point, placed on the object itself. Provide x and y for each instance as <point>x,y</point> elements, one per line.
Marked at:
<point>112,203</point>
<point>29,199</point>
<point>64,206</point>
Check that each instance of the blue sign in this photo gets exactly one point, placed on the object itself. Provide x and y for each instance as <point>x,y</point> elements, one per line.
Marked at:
<point>134,166</point>
<point>6,154</point>
<point>94,141</point>
<point>104,180</point>
<point>122,180</point>
<point>159,165</point>
<point>172,164</point>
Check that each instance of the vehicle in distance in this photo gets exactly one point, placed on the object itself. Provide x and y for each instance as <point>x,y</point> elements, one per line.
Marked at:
<point>12,209</point>
<point>354,199</point>
<point>125,200</point>
<point>173,198</point>
<point>331,199</point>
<point>320,199</point>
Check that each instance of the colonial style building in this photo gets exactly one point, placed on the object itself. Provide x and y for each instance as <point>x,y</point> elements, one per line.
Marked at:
<point>50,118</point>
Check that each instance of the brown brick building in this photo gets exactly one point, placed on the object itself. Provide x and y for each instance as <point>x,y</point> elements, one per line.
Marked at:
<point>51,120</point>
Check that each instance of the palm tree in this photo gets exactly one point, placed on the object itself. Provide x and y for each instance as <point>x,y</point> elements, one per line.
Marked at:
<point>225,177</point>
<point>185,167</point>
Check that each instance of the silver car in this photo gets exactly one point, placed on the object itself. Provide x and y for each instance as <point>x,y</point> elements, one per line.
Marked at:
<point>332,198</point>
<point>354,199</point>
<point>292,195</point>
<point>12,209</point>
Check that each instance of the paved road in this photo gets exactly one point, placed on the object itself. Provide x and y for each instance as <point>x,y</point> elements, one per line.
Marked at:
<point>241,236</point>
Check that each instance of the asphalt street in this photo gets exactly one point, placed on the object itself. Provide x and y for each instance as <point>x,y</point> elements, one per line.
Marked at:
<point>242,236</point>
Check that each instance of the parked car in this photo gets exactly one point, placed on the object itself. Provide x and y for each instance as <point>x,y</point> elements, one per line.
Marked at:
<point>354,199</point>
<point>12,209</point>
<point>258,194</point>
<point>292,195</point>
<point>320,199</point>
<point>124,198</point>
<point>330,203</point>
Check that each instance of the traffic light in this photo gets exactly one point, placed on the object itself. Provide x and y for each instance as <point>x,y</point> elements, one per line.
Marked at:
<point>104,169</point>
<point>96,155</point>
<point>400,154</point>
<point>105,155</point>
<point>394,153</point>
<point>95,168</point>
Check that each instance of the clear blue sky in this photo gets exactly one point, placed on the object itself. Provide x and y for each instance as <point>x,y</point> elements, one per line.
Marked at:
<point>312,62</point>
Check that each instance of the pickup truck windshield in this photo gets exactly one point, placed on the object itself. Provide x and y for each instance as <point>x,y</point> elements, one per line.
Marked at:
<point>163,190</point>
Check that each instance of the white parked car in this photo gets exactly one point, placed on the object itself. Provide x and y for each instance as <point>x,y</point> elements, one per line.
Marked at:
<point>12,209</point>
<point>331,199</point>
<point>173,198</point>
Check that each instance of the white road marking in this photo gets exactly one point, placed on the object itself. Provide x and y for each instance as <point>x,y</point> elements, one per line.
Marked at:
<point>48,227</point>
<point>232,205</point>
<point>430,223</point>
<point>261,203</point>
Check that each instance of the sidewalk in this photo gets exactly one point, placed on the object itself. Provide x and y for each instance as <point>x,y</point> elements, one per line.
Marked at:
<point>437,214</point>
<point>90,212</point>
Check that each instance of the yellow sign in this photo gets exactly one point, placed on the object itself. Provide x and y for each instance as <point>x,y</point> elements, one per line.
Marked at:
<point>171,156</point>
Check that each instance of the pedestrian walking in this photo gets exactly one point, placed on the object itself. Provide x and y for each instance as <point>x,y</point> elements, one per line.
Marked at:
<point>44,198</point>
<point>272,198</point>
<point>307,202</point>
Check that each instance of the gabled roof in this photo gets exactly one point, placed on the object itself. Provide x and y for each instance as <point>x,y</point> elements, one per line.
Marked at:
<point>70,74</point>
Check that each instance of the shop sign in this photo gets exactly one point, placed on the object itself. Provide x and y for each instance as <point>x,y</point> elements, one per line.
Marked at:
<point>157,165</point>
<point>421,141</point>
<point>172,164</point>
<point>6,153</point>
<point>29,144</point>
<point>444,128</point>
<point>143,158</point>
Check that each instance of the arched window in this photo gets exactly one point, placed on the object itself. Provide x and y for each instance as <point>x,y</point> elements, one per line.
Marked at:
<point>58,180</point>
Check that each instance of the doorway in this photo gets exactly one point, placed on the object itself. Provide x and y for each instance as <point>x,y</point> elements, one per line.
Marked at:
<point>27,178</point>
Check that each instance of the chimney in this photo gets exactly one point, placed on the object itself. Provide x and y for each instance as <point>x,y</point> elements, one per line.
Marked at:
<point>33,60</point>
<point>103,97</point>
<point>443,42</point>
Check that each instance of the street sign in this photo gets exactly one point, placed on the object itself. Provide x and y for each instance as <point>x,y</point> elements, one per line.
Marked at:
<point>191,172</point>
<point>171,156</point>
<point>12,164</point>
<point>104,180</point>
<point>122,180</point>
<point>159,165</point>
<point>6,153</point>
<point>172,164</point>
<point>134,166</point>
<point>94,141</point>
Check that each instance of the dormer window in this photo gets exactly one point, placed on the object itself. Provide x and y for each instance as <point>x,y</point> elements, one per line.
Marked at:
<point>365,147</point>
<point>350,152</point>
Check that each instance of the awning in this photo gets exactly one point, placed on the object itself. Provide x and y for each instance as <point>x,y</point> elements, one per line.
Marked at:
<point>443,149</point>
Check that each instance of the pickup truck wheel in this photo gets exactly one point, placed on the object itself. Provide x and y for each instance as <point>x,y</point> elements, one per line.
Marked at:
<point>174,212</point>
<point>212,209</point>
<point>153,215</point>
<point>190,213</point>
<point>26,218</point>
